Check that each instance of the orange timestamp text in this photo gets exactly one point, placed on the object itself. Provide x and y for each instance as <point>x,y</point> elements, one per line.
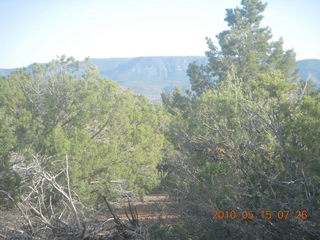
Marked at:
<point>263,214</point>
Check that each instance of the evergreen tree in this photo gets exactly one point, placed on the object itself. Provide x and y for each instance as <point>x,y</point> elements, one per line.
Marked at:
<point>65,108</point>
<point>245,50</point>
<point>240,138</point>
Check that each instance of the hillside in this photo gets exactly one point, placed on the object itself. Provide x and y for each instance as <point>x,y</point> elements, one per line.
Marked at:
<point>152,75</point>
<point>148,75</point>
<point>310,69</point>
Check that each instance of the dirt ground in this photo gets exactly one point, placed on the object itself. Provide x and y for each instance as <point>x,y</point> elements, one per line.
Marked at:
<point>153,208</point>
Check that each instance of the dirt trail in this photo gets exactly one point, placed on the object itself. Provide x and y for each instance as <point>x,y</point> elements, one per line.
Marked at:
<point>152,207</point>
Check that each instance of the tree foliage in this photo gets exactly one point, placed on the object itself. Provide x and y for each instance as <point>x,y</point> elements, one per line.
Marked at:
<point>246,135</point>
<point>64,109</point>
<point>245,49</point>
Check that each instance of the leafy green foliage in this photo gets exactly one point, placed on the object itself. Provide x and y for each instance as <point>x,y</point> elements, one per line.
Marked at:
<point>9,179</point>
<point>247,136</point>
<point>108,134</point>
<point>244,50</point>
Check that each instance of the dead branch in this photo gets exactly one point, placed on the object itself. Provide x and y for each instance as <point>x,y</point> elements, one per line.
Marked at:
<point>37,203</point>
<point>134,220</point>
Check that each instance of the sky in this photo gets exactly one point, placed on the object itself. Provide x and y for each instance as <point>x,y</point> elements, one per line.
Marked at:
<point>40,30</point>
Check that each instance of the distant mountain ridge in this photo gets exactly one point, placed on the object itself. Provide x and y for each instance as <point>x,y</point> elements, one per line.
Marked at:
<point>152,75</point>
<point>310,69</point>
<point>148,75</point>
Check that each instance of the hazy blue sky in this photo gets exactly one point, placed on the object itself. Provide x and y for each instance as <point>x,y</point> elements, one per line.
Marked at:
<point>39,30</point>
